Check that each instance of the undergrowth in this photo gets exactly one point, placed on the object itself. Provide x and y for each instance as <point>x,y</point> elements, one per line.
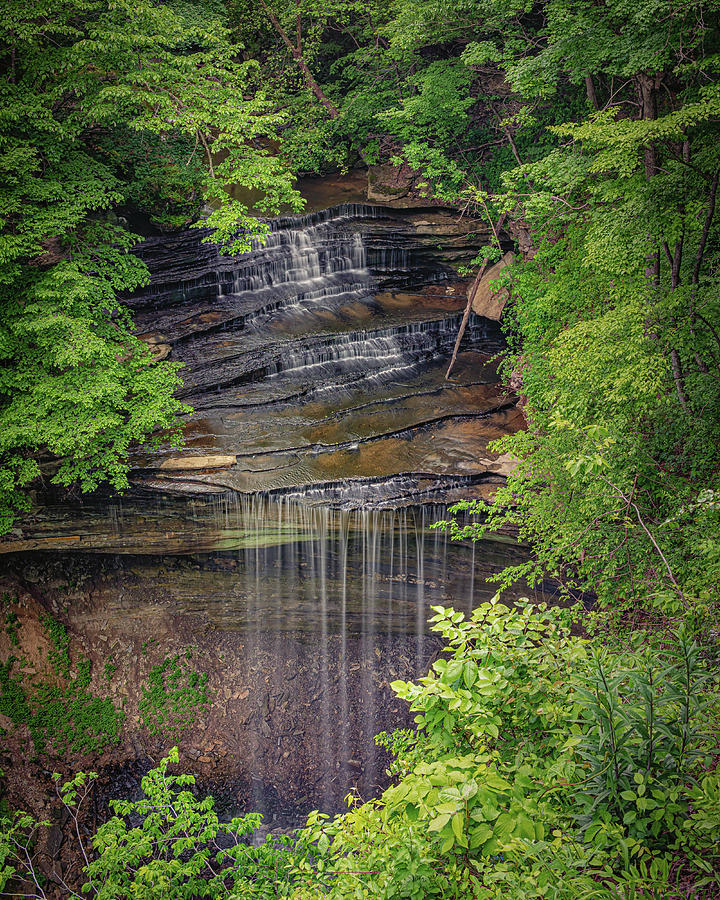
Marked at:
<point>60,710</point>
<point>174,695</point>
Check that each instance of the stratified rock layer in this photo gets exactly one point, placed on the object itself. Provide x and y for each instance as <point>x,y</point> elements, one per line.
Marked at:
<point>314,365</point>
<point>288,545</point>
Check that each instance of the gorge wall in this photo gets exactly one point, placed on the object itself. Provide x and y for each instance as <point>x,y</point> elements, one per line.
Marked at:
<point>288,545</point>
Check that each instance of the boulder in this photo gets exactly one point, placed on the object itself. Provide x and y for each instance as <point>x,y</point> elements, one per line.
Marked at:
<point>504,465</point>
<point>160,351</point>
<point>157,345</point>
<point>489,300</point>
<point>396,186</point>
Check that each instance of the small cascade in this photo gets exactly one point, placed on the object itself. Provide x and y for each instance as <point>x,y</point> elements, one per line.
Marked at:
<point>298,250</point>
<point>287,311</point>
<point>401,491</point>
<point>318,363</point>
<point>418,340</point>
<point>303,256</point>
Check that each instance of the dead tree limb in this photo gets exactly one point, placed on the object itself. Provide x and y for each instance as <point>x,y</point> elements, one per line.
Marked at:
<point>466,315</point>
<point>474,289</point>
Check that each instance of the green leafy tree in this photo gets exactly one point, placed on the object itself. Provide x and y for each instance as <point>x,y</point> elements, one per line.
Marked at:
<point>333,66</point>
<point>614,310</point>
<point>77,387</point>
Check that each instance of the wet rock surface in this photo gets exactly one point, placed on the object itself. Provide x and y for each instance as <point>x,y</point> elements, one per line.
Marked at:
<point>292,703</point>
<point>313,371</point>
<point>288,544</point>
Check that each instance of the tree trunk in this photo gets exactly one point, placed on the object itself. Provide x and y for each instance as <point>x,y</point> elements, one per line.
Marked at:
<point>647,90</point>
<point>706,229</point>
<point>648,97</point>
<point>591,92</point>
<point>679,379</point>
<point>474,289</point>
<point>513,146</point>
<point>297,54</point>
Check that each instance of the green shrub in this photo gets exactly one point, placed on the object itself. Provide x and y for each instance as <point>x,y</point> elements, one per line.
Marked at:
<point>178,850</point>
<point>542,767</point>
<point>59,638</point>
<point>533,749</point>
<point>68,717</point>
<point>644,732</point>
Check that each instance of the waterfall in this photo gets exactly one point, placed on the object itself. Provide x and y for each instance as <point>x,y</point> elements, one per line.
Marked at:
<point>302,251</point>
<point>302,256</point>
<point>417,338</point>
<point>325,570</point>
<point>292,532</point>
<point>365,576</point>
<point>290,308</point>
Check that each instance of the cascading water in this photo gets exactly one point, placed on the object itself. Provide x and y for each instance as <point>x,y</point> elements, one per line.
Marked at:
<point>349,592</point>
<point>295,523</point>
<point>299,253</point>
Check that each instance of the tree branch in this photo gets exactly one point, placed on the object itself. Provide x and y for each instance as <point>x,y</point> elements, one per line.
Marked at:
<point>706,229</point>
<point>297,55</point>
<point>631,502</point>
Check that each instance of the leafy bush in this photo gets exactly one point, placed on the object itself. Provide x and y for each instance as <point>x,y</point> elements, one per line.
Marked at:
<point>176,847</point>
<point>644,731</point>
<point>542,767</point>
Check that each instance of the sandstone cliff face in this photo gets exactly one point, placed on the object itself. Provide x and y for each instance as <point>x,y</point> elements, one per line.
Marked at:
<point>489,299</point>
<point>276,696</point>
<point>299,659</point>
<point>287,544</point>
<point>314,364</point>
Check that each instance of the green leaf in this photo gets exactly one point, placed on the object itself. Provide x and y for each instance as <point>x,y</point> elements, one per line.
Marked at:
<point>458,827</point>
<point>439,822</point>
